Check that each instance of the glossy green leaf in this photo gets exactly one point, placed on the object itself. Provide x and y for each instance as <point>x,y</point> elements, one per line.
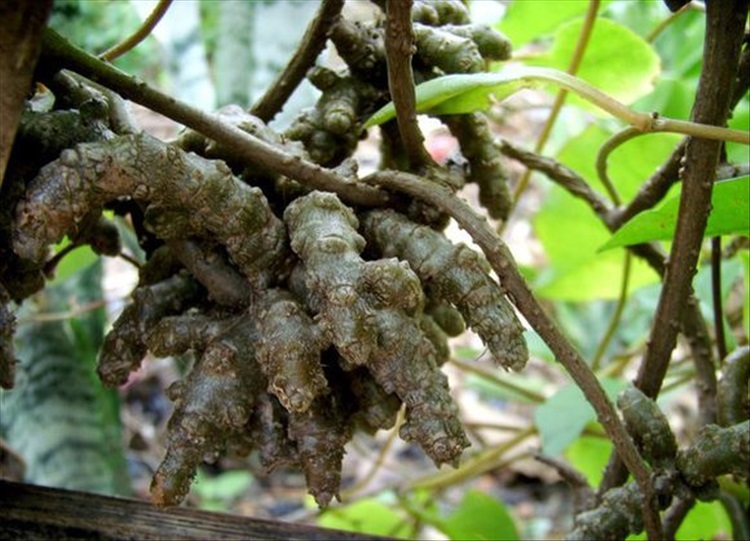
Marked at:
<point>467,92</point>
<point>369,516</point>
<point>459,93</point>
<point>589,455</point>
<point>526,20</point>
<point>480,517</point>
<point>706,520</point>
<point>730,214</point>
<point>73,262</point>
<point>562,418</point>
<point>617,60</point>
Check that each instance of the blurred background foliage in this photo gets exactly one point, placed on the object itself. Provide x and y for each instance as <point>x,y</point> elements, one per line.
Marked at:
<point>641,53</point>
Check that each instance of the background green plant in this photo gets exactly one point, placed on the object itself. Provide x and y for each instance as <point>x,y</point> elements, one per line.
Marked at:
<point>580,281</point>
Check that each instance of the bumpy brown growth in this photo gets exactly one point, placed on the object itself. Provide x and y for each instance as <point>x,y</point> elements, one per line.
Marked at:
<point>288,351</point>
<point>125,345</point>
<point>320,434</point>
<point>184,194</point>
<point>7,327</point>
<point>485,165</point>
<point>213,403</point>
<point>455,274</point>
<point>366,309</point>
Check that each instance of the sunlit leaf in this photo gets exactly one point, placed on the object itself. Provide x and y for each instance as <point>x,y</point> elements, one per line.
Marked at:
<point>527,21</point>
<point>479,516</point>
<point>366,516</point>
<point>616,61</point>
<point>730,214</point>
<point>75,261</point>
<point>706,520</point>
<point>589,455</point>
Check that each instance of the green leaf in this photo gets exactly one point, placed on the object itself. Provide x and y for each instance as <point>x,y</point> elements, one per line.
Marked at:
<point>706,520</point>
<point>590,455</point>
<point>562,418</point>
<point>458,93</point>
<point>224,487</point>
<point>78,259</point>
<point>617,60</point>
<point>526,21</point>
<point>730,214</point>
<point>745,258</point>
<point>468,92</point>
<point>576,269</point>
<point>479,516</point>
<point>368,516</point>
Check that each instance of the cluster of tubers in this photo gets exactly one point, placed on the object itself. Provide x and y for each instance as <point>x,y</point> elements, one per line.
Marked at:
<point>308,319</point>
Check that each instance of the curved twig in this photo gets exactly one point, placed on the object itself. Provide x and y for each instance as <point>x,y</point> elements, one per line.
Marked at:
<point>139,35</point>
<point>399,48</point>
<point>312,44</point>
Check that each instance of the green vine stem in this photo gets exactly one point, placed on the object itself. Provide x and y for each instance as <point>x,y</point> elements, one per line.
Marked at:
<point>643,122</point>
<point>515,285</point>
<point>605,150</point>
<point>614,323</point>
<point>575,62</point>
<point>139,35</point>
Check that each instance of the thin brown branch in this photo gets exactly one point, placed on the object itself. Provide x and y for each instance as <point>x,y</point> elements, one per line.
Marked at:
<point>721,340</point>
<point>399,48</point>
<point>655,188</point>
<point>565,177</point>
<point>693,325</point>
<point>312,44</point>
<point>724,32</point>
<point>58,54</point>
<point>139,35</point>
<point>502,262</point>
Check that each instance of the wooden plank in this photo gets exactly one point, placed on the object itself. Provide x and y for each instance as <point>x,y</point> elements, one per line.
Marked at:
<point>34,512</point>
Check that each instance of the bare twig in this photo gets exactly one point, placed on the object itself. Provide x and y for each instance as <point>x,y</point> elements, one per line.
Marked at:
<point>724,31</point>
<point>399,48</point>
<point>58,53</point>
<point>139,35</point>
<point>312,44</point>
<point>721,340</point>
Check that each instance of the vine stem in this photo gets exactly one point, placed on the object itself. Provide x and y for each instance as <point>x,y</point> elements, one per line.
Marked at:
<point>132,41</point>
<point>58,53</point>
<point>724,34</point>
<point>312,44</point>
<point>399,48</point>
<point>502,262</point>
<point>643,122</point>
<point>617,316</point>
<point>575,63</point>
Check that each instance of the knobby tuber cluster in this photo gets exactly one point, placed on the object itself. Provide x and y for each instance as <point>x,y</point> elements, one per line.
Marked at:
<point>301,330</point>
<point>678,473</point>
